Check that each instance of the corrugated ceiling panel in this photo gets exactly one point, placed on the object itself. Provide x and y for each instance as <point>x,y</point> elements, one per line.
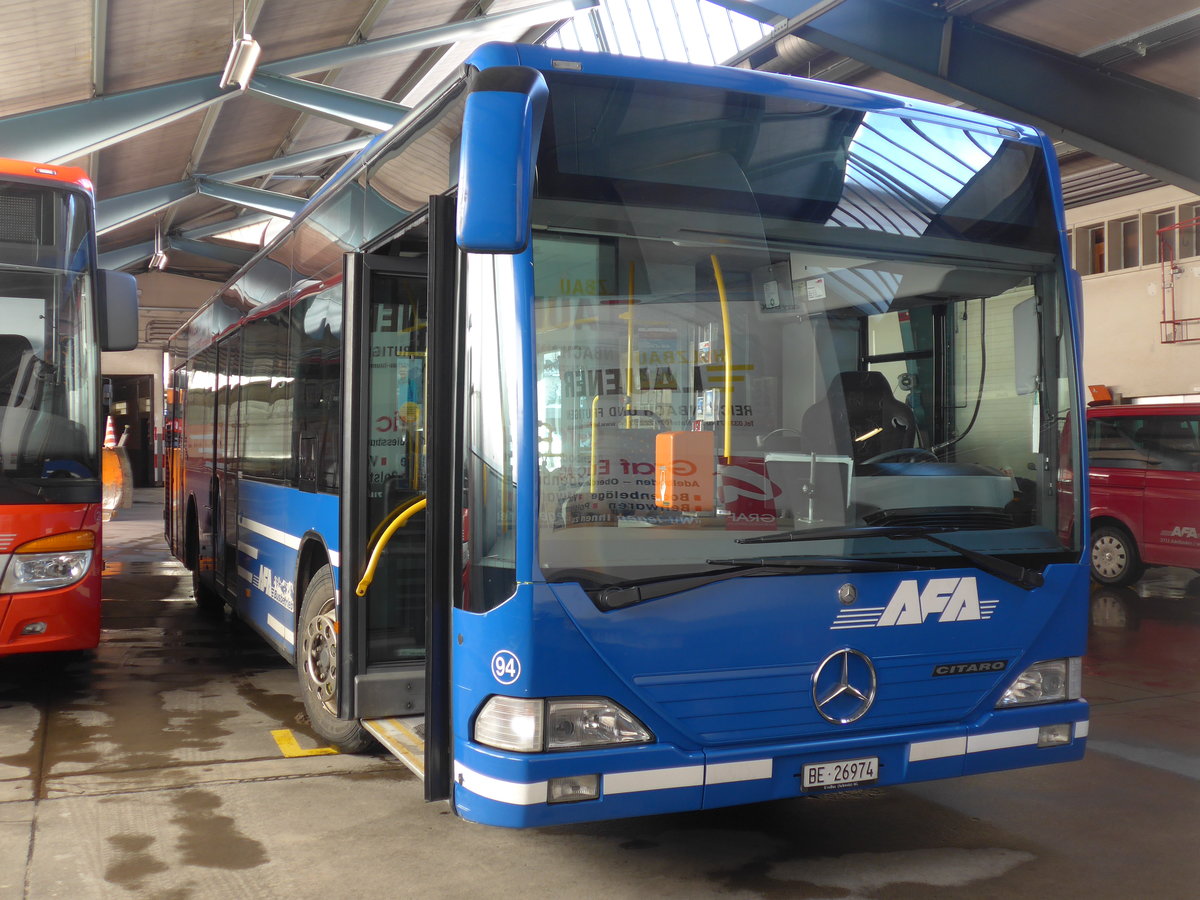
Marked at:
<point>1164,66</point>
<point>47,54</point>
<point>154,158</point>
<point>156,41</point>
<point>398,18</point>
<point>1078,25</point>
<point>297,27</point>
<point>248,129</point>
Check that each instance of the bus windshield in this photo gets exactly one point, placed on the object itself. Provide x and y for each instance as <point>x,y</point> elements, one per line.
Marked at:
<point>757,315</point>
<point>49,438</point>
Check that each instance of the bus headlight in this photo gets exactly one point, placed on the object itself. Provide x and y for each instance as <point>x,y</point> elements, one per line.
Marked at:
<point>565,723</point>
<point>50,562</point>
<point>591,722</point>
<point>1049,681</point>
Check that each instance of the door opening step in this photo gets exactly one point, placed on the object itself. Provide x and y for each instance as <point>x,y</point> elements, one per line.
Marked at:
<point>404,737</point>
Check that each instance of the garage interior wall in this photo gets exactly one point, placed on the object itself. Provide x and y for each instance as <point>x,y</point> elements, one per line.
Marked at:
<point>1115,249</point>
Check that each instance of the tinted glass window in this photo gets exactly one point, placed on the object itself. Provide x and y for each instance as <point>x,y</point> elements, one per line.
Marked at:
<point>491,368</point>
<point>1111,444</point>
<point>638,143</point>
<point>1172,443</point>
<point>317,366</point>
<point>1159,443</point>
<point>266,399</point>
<point>198,405</point>
<point>49,440</point>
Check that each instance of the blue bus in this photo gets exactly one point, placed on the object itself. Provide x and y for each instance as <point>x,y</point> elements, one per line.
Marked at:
<point>618,437</point>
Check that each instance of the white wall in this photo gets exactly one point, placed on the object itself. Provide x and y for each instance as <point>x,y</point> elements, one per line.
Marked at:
<point>1123,346</point>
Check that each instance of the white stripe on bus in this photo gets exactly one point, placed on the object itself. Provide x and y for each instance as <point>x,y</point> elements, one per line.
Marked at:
<point>279,537</point>
<point>527,794</point>
<point>748,770</point>
<point>286,633</point>
<point>980,743</point>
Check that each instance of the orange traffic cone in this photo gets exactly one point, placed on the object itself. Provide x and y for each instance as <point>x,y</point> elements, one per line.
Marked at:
<point>110,437</point>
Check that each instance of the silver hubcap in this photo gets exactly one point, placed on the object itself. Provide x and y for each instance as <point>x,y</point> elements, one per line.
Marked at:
<point>318,649</point>
<point>1109,557</point>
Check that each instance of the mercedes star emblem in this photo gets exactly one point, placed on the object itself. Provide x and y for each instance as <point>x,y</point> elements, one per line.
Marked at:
<point>843,687</point>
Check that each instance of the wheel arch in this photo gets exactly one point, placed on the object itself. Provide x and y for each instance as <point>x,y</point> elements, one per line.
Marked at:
<point>1100,519</point>
<point>313,556</point>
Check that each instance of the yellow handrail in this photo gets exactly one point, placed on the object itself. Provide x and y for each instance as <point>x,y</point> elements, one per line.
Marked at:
<point>728,353</point>
<point>397,523</point>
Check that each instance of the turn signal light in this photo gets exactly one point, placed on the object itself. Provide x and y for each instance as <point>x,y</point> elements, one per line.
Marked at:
<point>59,543</point>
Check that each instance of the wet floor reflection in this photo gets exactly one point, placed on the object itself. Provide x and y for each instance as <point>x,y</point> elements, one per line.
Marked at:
<point>1145,637</point>
<point>115,566</point>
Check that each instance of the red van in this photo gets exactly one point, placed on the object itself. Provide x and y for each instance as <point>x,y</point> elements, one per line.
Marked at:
<point>1144,478</point>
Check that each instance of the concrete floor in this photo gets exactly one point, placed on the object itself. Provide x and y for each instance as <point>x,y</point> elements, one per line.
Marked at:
<point>165,765</point>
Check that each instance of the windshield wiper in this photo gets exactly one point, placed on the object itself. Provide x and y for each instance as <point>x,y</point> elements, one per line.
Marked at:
<point>1011,572</point>
<point>637,590</point>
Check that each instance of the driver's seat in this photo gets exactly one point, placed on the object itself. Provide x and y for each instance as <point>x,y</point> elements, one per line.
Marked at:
<point>859,418</point>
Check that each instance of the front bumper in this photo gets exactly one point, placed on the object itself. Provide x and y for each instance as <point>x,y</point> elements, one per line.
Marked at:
<point>510,789</point>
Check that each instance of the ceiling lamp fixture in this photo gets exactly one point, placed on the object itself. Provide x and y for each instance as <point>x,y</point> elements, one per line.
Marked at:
<point>243,57</point>
<point>158,259</point>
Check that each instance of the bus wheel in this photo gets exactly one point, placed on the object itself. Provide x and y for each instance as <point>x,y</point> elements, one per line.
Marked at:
<point>1115,557</point>
<point>317,665</point>
<point>208,601</point>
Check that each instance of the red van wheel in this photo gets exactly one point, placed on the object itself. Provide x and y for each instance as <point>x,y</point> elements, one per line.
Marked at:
<point>1115,557</point>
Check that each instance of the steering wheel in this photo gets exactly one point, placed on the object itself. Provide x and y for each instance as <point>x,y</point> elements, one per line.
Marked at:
<point>913,454</point>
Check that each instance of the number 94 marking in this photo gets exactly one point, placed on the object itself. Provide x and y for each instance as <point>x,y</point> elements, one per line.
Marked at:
<point>506,668</point>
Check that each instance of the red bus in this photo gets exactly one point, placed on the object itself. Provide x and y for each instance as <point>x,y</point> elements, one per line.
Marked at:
<point>1144,481</point>
<point>57,312</point>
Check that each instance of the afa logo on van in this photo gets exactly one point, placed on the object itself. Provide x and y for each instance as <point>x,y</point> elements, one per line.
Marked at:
<point>1180,534</point>
<point>940,600</point>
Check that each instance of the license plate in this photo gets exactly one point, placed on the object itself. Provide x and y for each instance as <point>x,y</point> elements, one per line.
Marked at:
<point>842,773</point>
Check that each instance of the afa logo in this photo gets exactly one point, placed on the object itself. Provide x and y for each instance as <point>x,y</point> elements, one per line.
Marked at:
<point>1181,531</point>
<point>947,599</point>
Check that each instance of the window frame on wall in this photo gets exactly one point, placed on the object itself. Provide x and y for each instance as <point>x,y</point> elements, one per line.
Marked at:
<point>1189,236</point>
<point>1132,241</point>
<point>1125,240</point>
<point>1152,221</point>
<point>1089,261</point>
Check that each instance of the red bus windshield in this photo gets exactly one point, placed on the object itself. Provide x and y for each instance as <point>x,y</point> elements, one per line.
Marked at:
<point>49,361</point>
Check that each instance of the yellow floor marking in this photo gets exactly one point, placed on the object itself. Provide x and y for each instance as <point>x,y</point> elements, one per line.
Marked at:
<point>290,747</point>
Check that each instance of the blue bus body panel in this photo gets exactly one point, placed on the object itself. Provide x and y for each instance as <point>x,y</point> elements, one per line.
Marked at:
<point>273,523</point>
<point>722,676</point>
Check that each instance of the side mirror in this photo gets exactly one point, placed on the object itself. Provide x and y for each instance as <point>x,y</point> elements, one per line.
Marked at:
<point>502,124</point>
<point>117,306</point>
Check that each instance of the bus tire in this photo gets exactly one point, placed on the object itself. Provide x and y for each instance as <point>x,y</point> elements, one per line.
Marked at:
<point>316,664</point>
<point>208,601</point>
<point>1114,556</point>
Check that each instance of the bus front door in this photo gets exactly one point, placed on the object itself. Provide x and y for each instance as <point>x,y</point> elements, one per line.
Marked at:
<point>391,564</point>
